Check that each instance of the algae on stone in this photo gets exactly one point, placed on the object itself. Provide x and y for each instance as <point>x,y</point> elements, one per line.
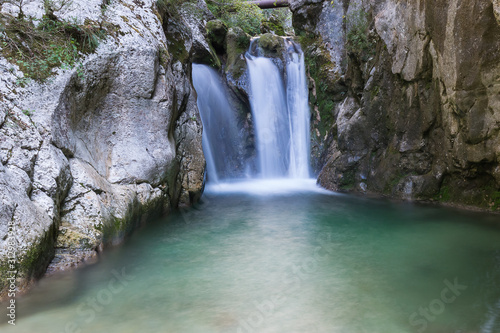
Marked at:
<point>237,45</point>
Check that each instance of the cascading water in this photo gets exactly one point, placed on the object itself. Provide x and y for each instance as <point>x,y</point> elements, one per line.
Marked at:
<point>221,139</point>
<point>280,113</point>
<point>298,109</point>
<point>271,118</point>
<point>281,117</point>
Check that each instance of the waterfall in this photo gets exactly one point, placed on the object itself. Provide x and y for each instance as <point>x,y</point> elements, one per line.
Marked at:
<point>271,118</point>
<point>280,113</point>
<point>298,109</point>
<point>281,117</point>
<point>221,139</point>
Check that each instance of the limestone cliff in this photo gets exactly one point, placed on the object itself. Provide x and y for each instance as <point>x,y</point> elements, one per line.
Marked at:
<point>103,146</point>
<point>405,97</point>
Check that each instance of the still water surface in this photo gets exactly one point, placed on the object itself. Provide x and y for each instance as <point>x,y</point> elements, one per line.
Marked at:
<point>268,258</point>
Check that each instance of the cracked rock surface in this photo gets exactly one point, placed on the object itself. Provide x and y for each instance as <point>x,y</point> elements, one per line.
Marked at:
<point>88,156</point>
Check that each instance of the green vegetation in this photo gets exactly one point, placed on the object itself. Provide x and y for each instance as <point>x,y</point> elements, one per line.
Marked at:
<point>271,44</point>
<point>277,20</point>
<point>358,41</point>
<point>375,91</point>
<point>28,112</point>
<point>238,13</point>
<point>39,45</point>
<point>322,71</point>
<point>234,13</point>
<point>348,180</point>
<point>52,6</point>
<point>483,193</point>
<point>164,5</point>
<point>393,181</point>
<point>171,8</point>
<point>32,264</point>
<point>216,32</point>
<point>495,196</point>
<point>237,43</point>
<point>443,194</point>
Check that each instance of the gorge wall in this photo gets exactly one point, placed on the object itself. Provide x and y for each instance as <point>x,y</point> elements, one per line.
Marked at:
<point>405,97</point>
<point>405,102</point>
<point>95,151</point>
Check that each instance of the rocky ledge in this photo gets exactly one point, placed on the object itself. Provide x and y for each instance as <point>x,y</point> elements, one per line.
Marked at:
<point>96,151</point>
<point>405,97</point>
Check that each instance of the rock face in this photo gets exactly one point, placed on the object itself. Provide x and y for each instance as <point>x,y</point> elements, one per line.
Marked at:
<point>94,152</point>
<point>409,102</point>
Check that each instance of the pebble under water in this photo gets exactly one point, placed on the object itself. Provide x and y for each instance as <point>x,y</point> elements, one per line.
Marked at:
<point>297,259</point>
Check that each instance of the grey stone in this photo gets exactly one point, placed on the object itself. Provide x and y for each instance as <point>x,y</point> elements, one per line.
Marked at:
<point>52,174</point>
<point>105,147</point>
<point>429,98</point>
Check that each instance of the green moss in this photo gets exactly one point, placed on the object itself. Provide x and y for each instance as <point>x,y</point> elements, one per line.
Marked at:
<point>164,57</point>
<point>375,91</point>
<point>4,268</point>
<point>238,13</point>
<point>216,33</point>
<point>33,263</point>
<point>348,180</point>
<point>495,197</point>
<point>176,38</point>
<point>272,26</point>
<point>272,45</point>
<point>116,228</point>
<point>237,44</point>
<point>444,194</point>
<point>69,238</point>
<point>477,192</point>
<point>322,71</point>
<point>392,182</point>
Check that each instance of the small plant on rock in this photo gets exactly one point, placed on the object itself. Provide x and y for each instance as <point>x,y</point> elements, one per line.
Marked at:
<point>39,45</point>
<point>238,13</point>
<point>358,41</point>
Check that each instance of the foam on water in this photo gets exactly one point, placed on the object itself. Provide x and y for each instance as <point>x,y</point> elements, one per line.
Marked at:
<point>271,186</point>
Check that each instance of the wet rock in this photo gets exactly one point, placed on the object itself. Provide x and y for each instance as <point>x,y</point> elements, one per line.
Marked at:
<point>216,32</point>
<point>237,44</point>
<point>273,26</point>
<point>271,44</point>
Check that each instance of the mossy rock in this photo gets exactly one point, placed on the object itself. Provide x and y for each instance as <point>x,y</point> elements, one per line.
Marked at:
<point>477,192</point>
<point>272,26</point>
<point>32,263</point>
<point>177,35</point>
<point>216,32</point>
<point>71,238</point>
<point>237,43</point>
<point>271,44</point>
